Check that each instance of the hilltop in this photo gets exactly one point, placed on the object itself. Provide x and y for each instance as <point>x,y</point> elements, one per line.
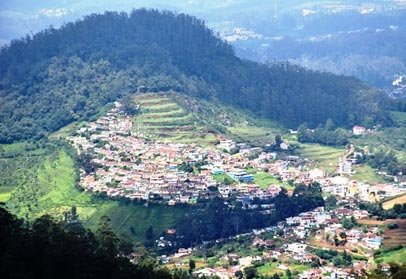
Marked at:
<point>58,76</point>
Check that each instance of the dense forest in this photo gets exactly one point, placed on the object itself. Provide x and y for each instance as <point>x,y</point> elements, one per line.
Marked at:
<point>57,76</point>
<point>64,249</point>
<point>327,135</point>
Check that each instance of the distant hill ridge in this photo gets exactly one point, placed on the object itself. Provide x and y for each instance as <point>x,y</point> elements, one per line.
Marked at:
<point>61,75</point>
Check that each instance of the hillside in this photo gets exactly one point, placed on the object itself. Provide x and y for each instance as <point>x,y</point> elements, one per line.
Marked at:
<point>38,178</point>
<point>174,117</point>
<point>62,75</point>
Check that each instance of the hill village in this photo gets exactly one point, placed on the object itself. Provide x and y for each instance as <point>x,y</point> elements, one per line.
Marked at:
<point>130,165</point>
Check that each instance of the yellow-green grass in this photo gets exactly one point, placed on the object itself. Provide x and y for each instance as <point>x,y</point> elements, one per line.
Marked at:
<point>51,190</point>
<point>220,178</point>
<point>14,147</point>
<point>272,268</point>
<point>388,139</point>
<point>67,130</point>
<point>138,217</point>
<point>326,157</point>
<point>397,200</point>
<point>165,120</point>
<point>264,179</point>
<point>367,174</point>
<point>162,118</point>
<point>175,117</point>
<point>160,107</point>
<point>57,178</point>
<point>395,256</point>
<point>193,137</point>
<point>171,113</point>
<point>154,99</point>
<point>5,196</point>
<point>15,162</point>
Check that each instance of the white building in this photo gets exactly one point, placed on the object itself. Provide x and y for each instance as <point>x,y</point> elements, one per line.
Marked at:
<point>358,130</point>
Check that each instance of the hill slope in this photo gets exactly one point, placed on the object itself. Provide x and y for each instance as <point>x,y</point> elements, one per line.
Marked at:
<point>58,76</point>
<point>39,178</point>
<point>175,117</point>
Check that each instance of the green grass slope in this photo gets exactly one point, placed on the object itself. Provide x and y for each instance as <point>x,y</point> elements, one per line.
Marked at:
<point>40,178</point>
<point>47,186</point>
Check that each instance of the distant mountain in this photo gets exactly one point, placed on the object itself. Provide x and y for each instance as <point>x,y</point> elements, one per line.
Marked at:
<point>366,45</point>
<point>61,75</point>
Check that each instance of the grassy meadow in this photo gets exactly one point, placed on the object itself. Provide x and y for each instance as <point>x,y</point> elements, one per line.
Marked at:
<point>47,186</point>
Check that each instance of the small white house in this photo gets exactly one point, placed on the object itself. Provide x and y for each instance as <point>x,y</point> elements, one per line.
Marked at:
<point>358,130</point>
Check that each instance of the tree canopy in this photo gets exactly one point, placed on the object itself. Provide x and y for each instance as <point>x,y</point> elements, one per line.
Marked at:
<point>57,76</point>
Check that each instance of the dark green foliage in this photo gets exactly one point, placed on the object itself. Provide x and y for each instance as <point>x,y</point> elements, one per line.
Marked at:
<point>326,254</point>
<point>185,167</point>
<point>398,211</point>
<point>385,161</point>
<point>47,249</point>
<point>342,259</point>
<point>396,271</point>
<point>192,265</point>
<point>129,106</point>
<point>331,202</point>
<point>60,75</point>
<point>348,223</point>
<point>85,161</point>
<point>323,135</point>
<point>149,233</point>
<point>250,272</point>
<point>217,220</point>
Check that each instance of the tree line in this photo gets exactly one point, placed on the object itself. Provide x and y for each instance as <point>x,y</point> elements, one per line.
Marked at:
<point>57,76</point>
<point>65,249</point>
<point>216,219</point>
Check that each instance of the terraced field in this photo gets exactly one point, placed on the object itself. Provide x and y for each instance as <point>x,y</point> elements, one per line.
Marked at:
<point>391,238</point>
<point>175,117</point>
<point>324,156</point>
<point>162,118</point>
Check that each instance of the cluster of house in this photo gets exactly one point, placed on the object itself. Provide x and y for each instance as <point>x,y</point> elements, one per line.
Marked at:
<point>129,165</point>
<point>329,227</point>
<point>296,249</point>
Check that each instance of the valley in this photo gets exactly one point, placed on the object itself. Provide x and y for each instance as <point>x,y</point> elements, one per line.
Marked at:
<point>140,145</point>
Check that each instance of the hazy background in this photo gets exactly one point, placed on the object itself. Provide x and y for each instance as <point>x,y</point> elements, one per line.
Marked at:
<point>365,39</point>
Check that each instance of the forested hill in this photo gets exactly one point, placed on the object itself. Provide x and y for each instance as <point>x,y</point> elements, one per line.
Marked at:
<point>60,75</point>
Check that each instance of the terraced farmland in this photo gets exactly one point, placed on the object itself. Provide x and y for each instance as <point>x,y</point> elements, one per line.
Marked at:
<point>324,156</point>
<point>175,117</point>
<point>162,118</point>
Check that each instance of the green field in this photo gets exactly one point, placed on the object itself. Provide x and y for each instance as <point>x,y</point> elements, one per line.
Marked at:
<point>48,187</point>
<point>325,157</point>
<point>264,179</point>
<point>272,268</point>
<point>386,139</point>
<point>367,174</point>
<point>16,161</point>
<point>396,256</point>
